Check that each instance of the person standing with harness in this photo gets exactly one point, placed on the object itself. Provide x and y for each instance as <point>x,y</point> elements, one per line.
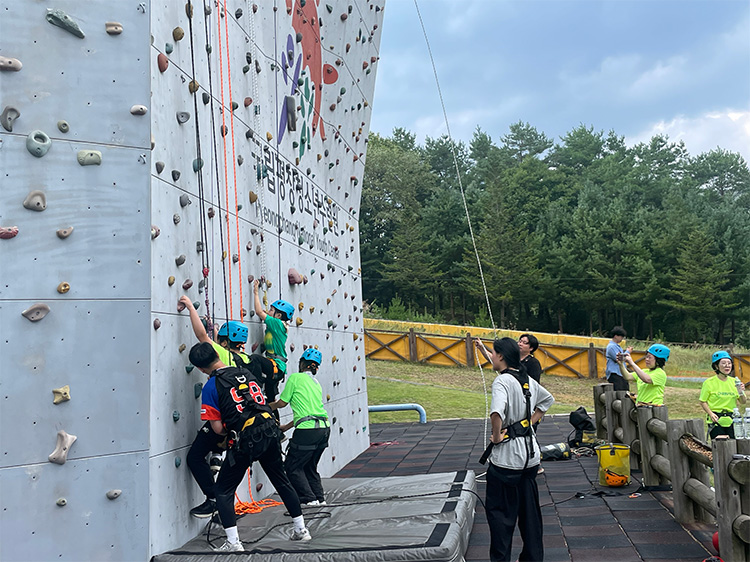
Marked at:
<point>274,341</point>
<point>512,493</point>
<point>311,428</point>
<point>234,404</point>
<point>719,395</point>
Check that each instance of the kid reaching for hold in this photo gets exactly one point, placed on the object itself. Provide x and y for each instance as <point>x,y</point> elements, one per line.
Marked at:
<point>273,364</point>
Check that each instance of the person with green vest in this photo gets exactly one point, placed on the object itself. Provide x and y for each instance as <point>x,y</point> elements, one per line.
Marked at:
<point>650,382</point>
<point>311,428</point>
<point>720,395</point>
<point>273,364</point>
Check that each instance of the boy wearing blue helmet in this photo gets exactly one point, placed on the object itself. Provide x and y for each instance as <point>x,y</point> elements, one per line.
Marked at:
<point>651,380</point>
<point>311,428</point>
<point>273,364</point>
<point>719,396</point>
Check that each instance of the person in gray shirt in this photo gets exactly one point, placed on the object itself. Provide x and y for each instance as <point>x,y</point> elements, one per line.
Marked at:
<point>613,351</point>
<point>512,493</point>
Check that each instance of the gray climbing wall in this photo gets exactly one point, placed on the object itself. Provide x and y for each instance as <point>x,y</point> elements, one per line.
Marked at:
<point>282,150</point>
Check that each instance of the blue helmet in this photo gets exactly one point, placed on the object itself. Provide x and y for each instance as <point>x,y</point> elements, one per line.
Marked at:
<point>659,350</point>
<point>284,307</point>
<point>234,331</point>
<point>312,354</point>
<point>719,355</point>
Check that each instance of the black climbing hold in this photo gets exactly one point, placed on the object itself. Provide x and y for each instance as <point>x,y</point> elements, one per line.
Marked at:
<point>61,19</point>
<point>238,13</point>
<point>9,115</point>
<point>175,175</point>
<point>159,167</point>
<point>206,98</point>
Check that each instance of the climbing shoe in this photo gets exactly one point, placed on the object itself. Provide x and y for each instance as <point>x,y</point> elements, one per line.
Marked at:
<point>230,547</point>
<point>206,509</point>
<point>303,535</point>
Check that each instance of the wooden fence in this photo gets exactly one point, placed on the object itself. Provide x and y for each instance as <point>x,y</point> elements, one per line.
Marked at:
<point>449,350</point>
<point>674,452</point>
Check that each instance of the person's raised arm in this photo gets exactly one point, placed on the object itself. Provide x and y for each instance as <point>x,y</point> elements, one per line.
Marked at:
<point>195,320</point>
<point>482,349</point>
<point>258,305</point>
<point>638,371</point>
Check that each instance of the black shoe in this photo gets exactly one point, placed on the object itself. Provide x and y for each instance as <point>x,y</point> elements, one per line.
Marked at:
<point>206,509</point>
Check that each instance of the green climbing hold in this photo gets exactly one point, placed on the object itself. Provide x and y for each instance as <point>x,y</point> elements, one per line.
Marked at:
<point>342,91</point>
<point>329,8</point>
<point>197,388</point>
<point>59,18</point>
<point>235,105</point>
<point>246,69</point>
<point>239,207</point>
<point>197,164</point>
<point>301,240</point>
<point>295,144</point>
<point>177,462</point>
<point>168,48</point>
<point>176,416</point>
<point>209,48</point>
<point>189,369</point>
<point>89,158</point>
<point>38,143</point>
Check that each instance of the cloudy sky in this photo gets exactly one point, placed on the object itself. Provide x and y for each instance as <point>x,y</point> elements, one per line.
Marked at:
<point>639,67</point>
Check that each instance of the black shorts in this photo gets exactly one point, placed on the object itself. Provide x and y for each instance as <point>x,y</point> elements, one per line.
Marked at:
<point>618,381</point>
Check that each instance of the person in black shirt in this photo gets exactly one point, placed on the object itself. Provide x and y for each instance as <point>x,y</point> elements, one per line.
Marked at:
<point>528,344</point>
<point>234,404</point>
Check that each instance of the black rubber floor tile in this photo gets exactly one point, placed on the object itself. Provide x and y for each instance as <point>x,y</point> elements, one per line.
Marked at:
<point>657,551</point>
<point>624,515</point>
<point>610,541</point>
<point>579,511</point>
<point>593,531</point>
<point>604,554</point>
<point>647,524</point>
<point>658,537</point>
<point>578,520</point>
<point>558,554</point>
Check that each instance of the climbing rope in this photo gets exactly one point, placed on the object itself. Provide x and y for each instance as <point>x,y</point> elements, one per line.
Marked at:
<point>243,508</point>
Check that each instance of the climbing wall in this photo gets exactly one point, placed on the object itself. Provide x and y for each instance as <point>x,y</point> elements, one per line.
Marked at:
<point>150,150</point>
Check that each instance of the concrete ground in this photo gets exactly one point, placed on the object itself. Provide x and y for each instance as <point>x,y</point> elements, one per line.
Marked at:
<point>582,521</point>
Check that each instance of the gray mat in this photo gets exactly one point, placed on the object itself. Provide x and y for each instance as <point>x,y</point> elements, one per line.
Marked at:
<point>424,517</point>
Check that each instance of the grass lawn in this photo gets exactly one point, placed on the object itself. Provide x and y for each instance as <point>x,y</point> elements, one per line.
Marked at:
<point>447,392</point>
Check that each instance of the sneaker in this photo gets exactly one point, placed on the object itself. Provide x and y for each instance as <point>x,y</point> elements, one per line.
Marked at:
<point>231,547</point>
<point>311,504</point>
<point>206,509</point>
<point>323,502</point>
<point>303,535</point>
<point>215,462</point>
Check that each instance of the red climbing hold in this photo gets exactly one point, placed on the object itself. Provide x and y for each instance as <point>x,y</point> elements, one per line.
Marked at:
<point>205,271</point>
<point>162,61</point>
<point>294,276</point>
<point>8,232</point>
<point>330,74</point>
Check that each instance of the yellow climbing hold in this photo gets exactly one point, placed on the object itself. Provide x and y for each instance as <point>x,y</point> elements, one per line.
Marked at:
<point>333,359</point>
<point>63,288</point>
<point>253,197</point>
<point>298,321</point>
<point>269,136</point>
<point>170,281</point>
<point>300,306</point>
<point>312,309</point>
<point>193,86</point>
<point>356,337</point>
<point>61,394</point>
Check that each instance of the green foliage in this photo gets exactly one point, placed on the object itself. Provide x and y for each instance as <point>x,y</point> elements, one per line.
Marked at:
<point>575,237</point>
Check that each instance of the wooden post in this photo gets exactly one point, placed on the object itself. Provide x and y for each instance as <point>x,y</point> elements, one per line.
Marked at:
<point>680,470</point>
<point>469,351</point>
<point>629,427</point>
<point>609,397</point>
<point>599,411</point>
<point>593,371</point>
<point>729,502</point>
<point>412,346</point>
<point>743,448</point>
<point>698,470</point>
<point>662,446</point>
<point>648,446</point>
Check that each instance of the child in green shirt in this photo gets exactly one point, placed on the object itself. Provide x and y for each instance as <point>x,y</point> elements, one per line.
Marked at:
<point>720,395</point>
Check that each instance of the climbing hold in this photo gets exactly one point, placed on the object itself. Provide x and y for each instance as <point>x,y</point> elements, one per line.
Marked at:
<point>344,18</point>
<point>341,430</point>
<point>159,167</point>
<point>63,233</point>
<point>139,110</point>
<point>333,359</point>
<point>178,33</point>
<point>211,212</point>
<point>7,63</point>
<point>189,368</point>
<point>185,200</point>
<point>177,462</point>
<point>176,416</point>
<point>300,306</point>
<point>199,246</point>
<point>171,280</point>
<point>61,19</point>
<point>36,312</point>
<point>183,117</point>
<point>248,101</point>
<point>36,200</point>
<point>235,105</point>
<point>168,48</point>
<point>61,394</point>
<point>294,277</point>
<point>155,231</point>
<point>197,164</point>
<point>356,337</point>
<point>240,160</point>
<point>238,13</point>
<point>182,348</point>
<point>8,232</point>
<point>206,98</point>
<point>157,323</point>
<point>63,126</point>
<point>113,27</point>
<point>253,197</point>
<point>224,130</point>
<point>298,321</point>
<point>187,284</point>
<point>269,136</point>
<point>257,66</point>
<point>64,442</point>
<point>114,494</point>
<point>235,258</point>
<point>175,175</point>
<point>179,260</point>
<point>193,86</point>
<point>196,305</point>
<point>162,61</point>
<point>89,158</point>
<point>61,502</point>
<point>259,486</point>
<point>63,288</point>
<point>9,115</point>
<point>38,143</point>
<point>197,388</point>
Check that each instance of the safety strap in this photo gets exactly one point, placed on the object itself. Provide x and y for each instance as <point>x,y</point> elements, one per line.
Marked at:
<point>522,428</point>
<point>317,420</point>
<point>275,357</point>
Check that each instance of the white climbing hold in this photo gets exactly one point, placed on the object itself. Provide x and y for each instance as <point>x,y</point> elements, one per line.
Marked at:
<point>64,442</point>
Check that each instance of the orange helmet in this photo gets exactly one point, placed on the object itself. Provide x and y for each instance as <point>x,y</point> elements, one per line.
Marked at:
<point>615,480</point>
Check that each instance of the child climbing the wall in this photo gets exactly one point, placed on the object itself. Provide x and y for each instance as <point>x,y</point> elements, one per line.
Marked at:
<point>231,337</point>
<point>273,364</point>
<point>311,428</point>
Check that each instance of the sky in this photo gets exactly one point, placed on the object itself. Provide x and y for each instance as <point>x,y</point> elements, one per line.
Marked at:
<point>638,67</point>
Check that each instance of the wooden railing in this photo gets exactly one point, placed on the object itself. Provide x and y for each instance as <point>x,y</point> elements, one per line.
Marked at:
<point>674,452</point>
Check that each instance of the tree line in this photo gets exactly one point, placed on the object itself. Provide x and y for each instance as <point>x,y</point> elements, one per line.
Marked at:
<point>573,237</point>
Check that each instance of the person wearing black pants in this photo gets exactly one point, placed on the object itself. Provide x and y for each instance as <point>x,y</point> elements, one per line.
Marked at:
<point>205,442</point>
<point>518,401</point>
<point>305,450</point>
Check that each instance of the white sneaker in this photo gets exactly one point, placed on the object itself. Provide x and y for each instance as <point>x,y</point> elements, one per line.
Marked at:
<point>303,535</point>
<point>322,503</point>
<point>232,546</point>
<point>312,503</point>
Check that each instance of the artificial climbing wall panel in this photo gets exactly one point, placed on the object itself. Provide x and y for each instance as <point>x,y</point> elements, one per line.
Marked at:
<point>260,115</point>
<point>75,258</point>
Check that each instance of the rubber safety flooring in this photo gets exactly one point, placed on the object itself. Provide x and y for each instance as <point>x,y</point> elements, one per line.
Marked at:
<point>580,524</point>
